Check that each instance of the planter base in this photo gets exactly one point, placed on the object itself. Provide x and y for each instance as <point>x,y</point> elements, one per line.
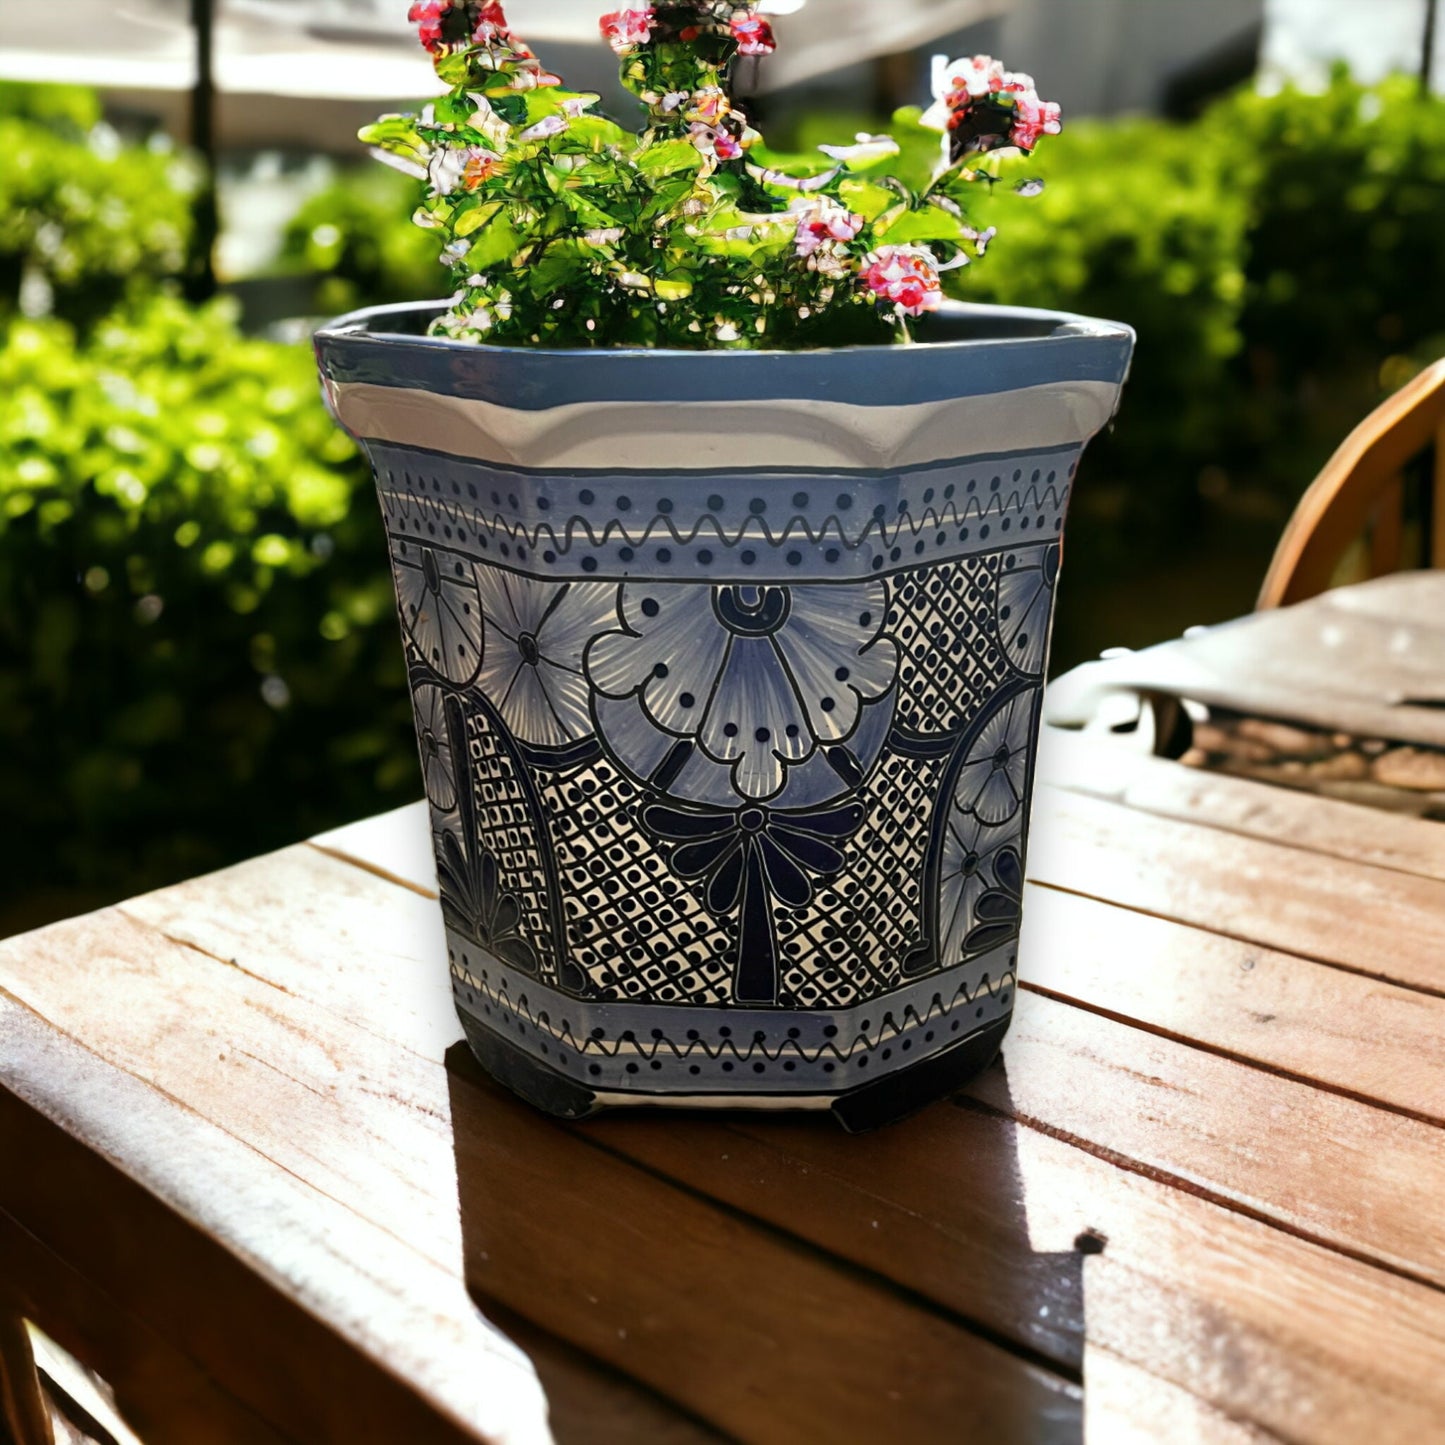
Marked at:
<point>870,1106</point>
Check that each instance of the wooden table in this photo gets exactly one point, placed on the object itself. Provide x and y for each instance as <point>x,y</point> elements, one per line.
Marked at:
<point>248,1173</point>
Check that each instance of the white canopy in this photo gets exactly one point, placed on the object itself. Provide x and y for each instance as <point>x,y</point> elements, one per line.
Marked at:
<point>365,49</point>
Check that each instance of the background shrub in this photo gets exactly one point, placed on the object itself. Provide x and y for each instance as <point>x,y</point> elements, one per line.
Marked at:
<point>356,237</point>
<point>89,219</point>
<point>198,646</point>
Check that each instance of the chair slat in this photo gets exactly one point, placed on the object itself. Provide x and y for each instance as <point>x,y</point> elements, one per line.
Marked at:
<point>1340,504</point>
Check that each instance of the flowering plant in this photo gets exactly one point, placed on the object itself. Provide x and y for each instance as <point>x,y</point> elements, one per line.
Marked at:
<point>564,229</point>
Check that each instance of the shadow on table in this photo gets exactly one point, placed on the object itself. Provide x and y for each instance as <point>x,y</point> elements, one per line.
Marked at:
<point>768,1274</point>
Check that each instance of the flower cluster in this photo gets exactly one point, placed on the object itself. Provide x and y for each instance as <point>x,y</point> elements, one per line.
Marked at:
<point>984,107</point>
<point>563,229</point>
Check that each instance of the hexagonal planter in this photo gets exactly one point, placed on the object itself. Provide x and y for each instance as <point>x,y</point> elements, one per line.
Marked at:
<point>727,669</point>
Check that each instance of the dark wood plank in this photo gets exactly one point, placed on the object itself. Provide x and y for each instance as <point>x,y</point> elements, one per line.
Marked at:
<point>767,1339</point>
<point>160,1391</point>
<point>588,1404</point>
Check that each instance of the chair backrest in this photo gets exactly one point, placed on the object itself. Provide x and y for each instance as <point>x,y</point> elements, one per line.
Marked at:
<point>1361,492</point>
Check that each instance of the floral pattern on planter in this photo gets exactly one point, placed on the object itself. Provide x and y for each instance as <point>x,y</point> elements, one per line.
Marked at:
<point>537,633</point>
<point>476,905</point>
<point>434,740</point>
<point>441,613</point>
<point>747,860</point>
<point>999,911</point>
<point>1025,605</point>
<point>972,856</point>
<point>993,781</point>
<point>760,679</point>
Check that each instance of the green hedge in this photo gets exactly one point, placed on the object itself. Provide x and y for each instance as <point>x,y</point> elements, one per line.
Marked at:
<point>198,645</point>
<point>95,220</point>
<point>356,236</point>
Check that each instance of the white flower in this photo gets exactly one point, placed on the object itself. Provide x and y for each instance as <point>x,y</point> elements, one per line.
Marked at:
<point>444,169</point>
<point>549,125</point>
<point>866,150</point>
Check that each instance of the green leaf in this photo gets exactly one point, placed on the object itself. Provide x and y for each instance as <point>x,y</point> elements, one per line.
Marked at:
<point>669,157</point>
<point>931,224</point>
<point>866,198</point>
<point>497,242</point>
<point>476,217</point>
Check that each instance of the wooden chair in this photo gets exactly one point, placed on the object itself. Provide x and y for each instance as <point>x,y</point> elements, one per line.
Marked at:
<point>1358,505</point>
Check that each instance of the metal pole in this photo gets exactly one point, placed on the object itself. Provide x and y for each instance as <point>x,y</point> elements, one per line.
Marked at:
<point>202,281</point>
<point>1427,48</point>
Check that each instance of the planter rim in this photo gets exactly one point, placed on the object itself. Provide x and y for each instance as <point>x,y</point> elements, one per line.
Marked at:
<point>371,324</point>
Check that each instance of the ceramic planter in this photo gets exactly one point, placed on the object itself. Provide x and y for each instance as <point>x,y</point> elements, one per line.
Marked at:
<point>727,671</point>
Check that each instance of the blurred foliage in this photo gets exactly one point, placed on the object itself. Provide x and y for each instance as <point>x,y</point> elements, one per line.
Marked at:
<point>355,235</point>
<point>198,648</point>
<point>87,220</point>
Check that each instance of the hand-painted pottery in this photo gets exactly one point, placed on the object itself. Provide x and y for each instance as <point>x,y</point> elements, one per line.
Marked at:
<point>727,669</point>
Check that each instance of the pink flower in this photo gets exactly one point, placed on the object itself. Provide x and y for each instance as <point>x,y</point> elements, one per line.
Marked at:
<point>445,25</point>
<point>1033,119</point>
<point>754,36</point>
<point>906,276</point>
<point>491,25</point>
<point>715,141</point>
<point>710,106</point>
<point>625,30</point>
<point>820,220</point>
<point>427,16</point>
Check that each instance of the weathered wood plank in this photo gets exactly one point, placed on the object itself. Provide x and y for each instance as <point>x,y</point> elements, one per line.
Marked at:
<point>1353,1034</point>
<point>770,1341</point>
<point>219,1204</point>
<point>1192,1136</point>
<point>310,1082</point>
<point>765,1185</point>
<point>1278,1320</point>
<point>1332,1168</point>
<point>1386,924</point>
<point>1235,805</point>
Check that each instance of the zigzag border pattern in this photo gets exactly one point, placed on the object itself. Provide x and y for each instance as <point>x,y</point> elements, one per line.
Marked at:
<point>711,1063</point>
<point>933,535</point>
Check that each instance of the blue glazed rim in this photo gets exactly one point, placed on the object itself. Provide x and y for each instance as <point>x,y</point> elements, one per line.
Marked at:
<point>965,349</point>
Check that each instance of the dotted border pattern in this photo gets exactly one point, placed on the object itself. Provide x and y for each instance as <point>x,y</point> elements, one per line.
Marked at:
<point>669,1050</point>
<point>786,528</point>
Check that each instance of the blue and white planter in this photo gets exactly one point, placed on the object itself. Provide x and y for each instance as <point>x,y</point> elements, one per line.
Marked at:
<point>727,670</point>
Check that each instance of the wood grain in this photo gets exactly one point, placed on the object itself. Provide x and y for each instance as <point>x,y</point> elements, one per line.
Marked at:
<point>990,1219</point>
<point>982,1217</point>
<point>769,1341</point>
<point>589,1404</point>
<point>232,1219</point>
<point>1376,921</point>
<point>24,1414</point>
<point>160,1391</point>
<point>1299,820</point>
<point>1355,1035</point>
<point>1336,1170</point>
<point>1338,504</point>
